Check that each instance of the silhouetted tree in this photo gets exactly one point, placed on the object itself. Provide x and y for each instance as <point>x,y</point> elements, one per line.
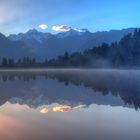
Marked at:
<point>11,63</point>
<point>4,62</point>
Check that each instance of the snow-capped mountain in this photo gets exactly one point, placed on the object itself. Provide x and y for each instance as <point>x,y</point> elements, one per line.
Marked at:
<point>35,35</point>
<point>32,34</point>
<point>46,45</point>
<point>72,32</point>
<point>52,45</point>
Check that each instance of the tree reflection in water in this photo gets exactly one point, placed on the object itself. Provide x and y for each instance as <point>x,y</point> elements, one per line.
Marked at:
<point>118,83</point>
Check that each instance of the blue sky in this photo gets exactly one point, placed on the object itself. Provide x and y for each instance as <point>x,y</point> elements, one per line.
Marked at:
<point>96,15</point>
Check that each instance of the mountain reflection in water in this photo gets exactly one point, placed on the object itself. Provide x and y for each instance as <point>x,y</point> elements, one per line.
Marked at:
<point>69,104</point>
<point>71,87</point>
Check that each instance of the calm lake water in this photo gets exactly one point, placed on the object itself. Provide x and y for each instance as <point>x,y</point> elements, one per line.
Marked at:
<point>70,105</point>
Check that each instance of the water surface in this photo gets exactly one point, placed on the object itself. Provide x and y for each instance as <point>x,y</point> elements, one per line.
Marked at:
<point>69,104</point>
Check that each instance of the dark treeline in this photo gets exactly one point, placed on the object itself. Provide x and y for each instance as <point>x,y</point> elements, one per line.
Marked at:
<point>25,62</point>
<point>125,53</point>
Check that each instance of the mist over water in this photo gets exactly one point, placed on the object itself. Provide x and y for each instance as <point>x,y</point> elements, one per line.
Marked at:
<point>69,104</point>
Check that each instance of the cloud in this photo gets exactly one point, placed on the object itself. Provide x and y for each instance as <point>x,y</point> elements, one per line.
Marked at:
<point>61,28</point>
<point>44,110</point>
<point>67,28</point>
<point>62,108</point>
<point>66,108</point>
<point>43,26</point>
<point>5,15</point>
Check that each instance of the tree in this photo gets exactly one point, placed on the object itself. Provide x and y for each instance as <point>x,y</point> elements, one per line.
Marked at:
<point>4,62</point>
<point>11,63</point>
<point>66,56</point>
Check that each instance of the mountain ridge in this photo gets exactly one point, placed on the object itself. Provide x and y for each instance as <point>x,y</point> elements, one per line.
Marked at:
<point>47,45</point>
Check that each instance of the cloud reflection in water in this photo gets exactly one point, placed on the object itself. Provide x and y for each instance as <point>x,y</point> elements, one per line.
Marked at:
<point>61,108</point>
<point>44,111</point>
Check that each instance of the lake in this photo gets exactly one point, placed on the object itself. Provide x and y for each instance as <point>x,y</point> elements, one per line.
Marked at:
<point>69,104</point>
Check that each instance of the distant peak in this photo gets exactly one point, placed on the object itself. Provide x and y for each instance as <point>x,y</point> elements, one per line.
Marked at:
<point>32,31</point>
<point>78,30</point>
<point>72,32</point>
<point>85,30</point>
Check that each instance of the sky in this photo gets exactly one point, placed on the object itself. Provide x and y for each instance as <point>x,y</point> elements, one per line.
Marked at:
<point>51,15</point>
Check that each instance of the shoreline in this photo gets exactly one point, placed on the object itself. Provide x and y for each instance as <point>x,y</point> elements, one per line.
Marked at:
<point>62,69</point>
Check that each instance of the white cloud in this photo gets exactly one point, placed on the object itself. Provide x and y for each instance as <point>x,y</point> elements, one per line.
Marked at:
<point>61,28</point>
<point>5,15</point>
<point>43,26</point>
<point>66,28</point>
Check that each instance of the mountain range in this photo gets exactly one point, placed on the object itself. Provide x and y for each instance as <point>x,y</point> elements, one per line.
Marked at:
<point>46,45</point>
